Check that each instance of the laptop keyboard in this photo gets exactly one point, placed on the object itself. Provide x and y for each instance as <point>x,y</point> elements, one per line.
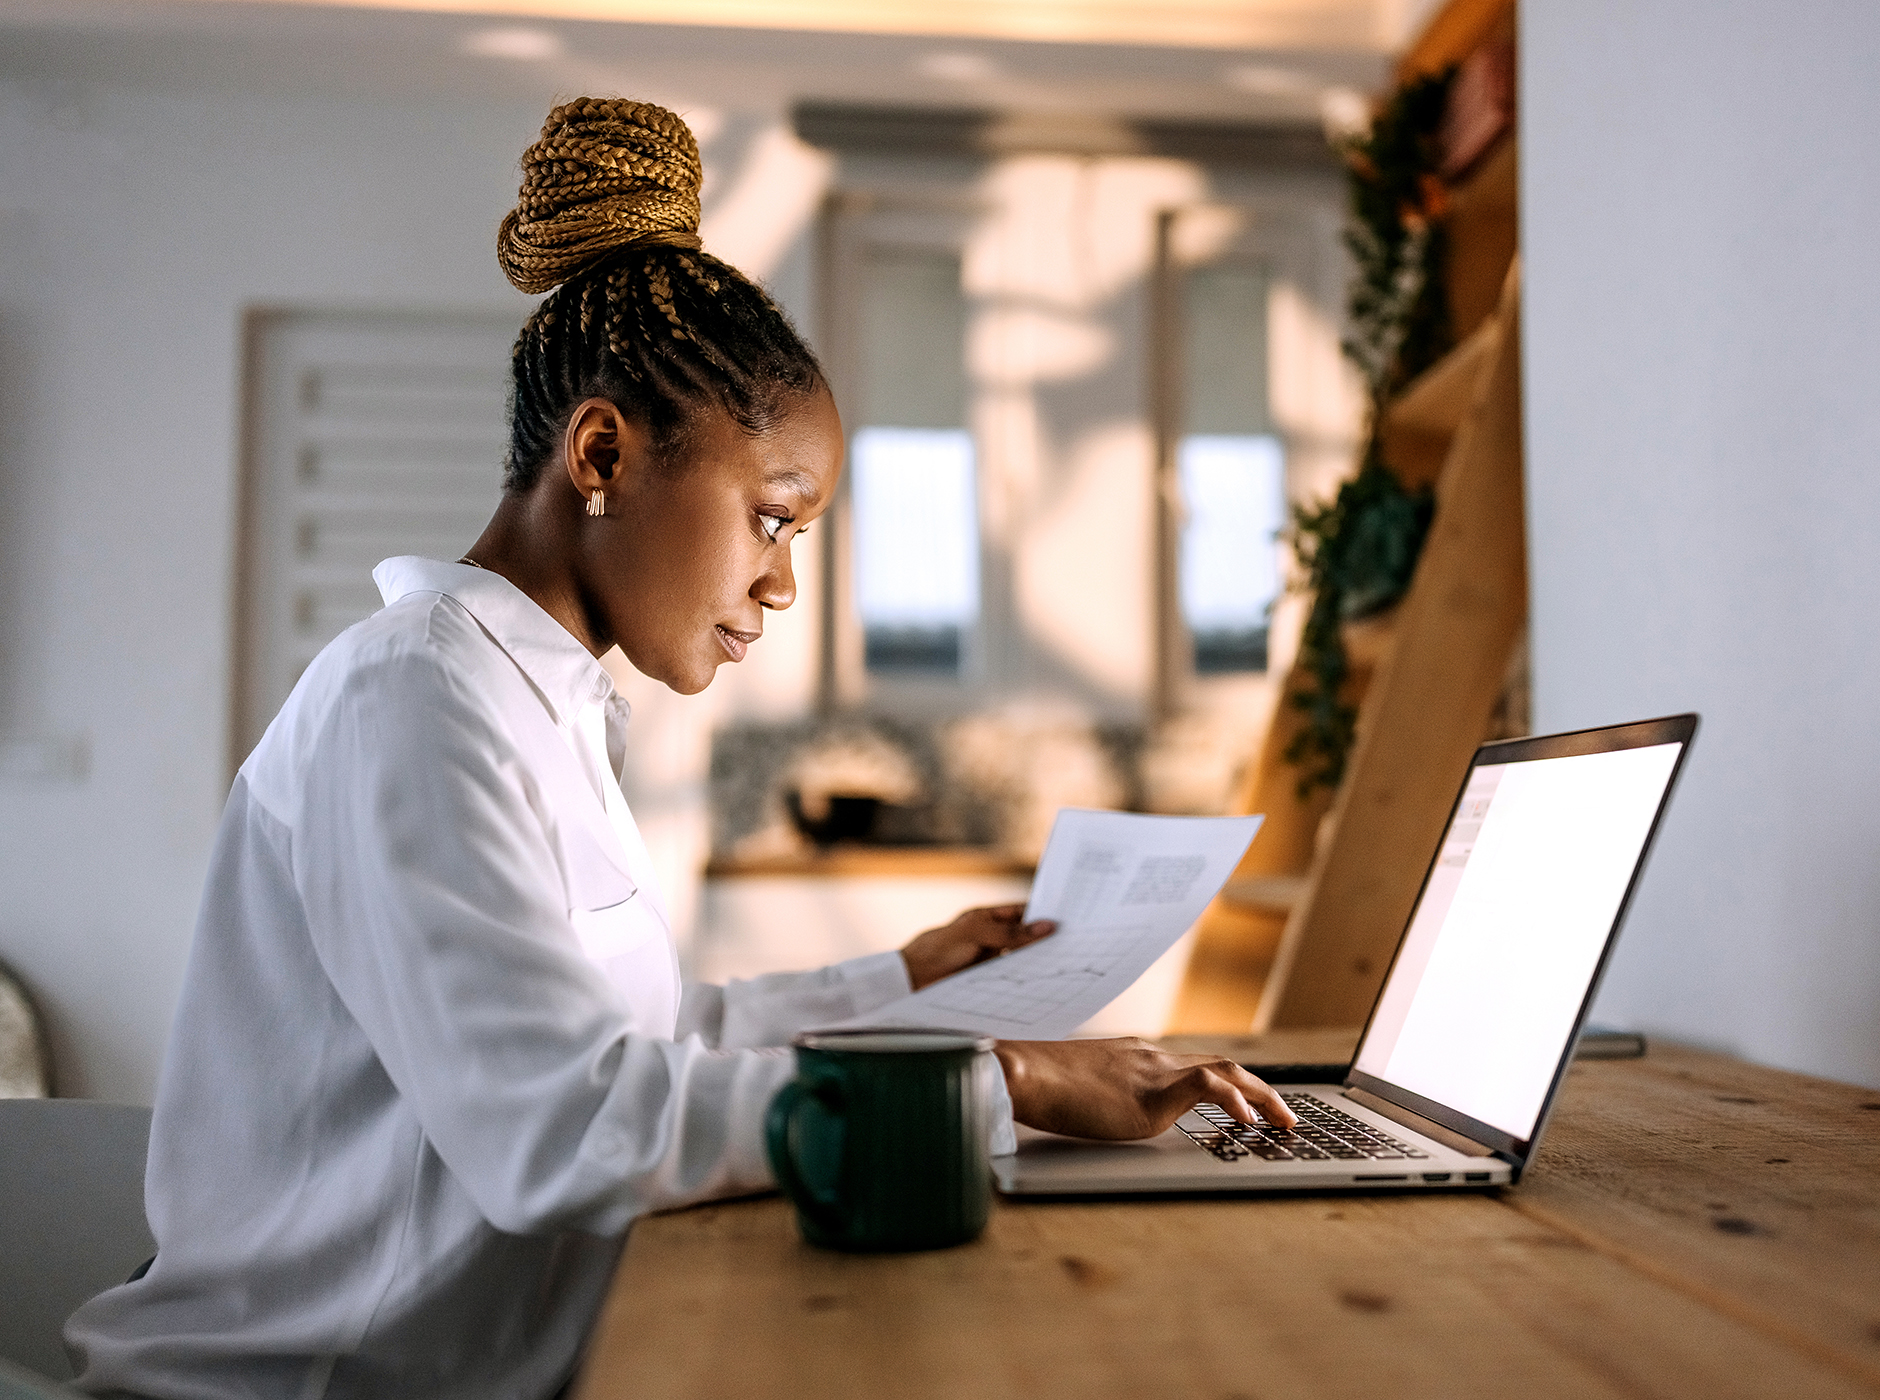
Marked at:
<point>1323,1134</point>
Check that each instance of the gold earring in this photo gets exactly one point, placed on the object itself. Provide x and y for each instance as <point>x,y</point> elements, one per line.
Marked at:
<point>597,504</point>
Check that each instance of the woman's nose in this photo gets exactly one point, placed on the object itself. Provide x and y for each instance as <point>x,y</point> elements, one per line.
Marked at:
<point>776,586</point>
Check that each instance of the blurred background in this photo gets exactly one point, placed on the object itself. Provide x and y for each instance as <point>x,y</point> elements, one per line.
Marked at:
<point>1080,272</point>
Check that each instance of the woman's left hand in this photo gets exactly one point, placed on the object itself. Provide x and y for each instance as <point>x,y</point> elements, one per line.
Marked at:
<point>973,937</point>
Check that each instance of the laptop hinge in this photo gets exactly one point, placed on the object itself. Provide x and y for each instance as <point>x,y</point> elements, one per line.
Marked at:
<point>1416,1122</point>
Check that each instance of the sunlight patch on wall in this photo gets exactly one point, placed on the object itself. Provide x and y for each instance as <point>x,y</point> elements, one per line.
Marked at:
<point>1074,232</point>
<point>1082,563</point>
<point>767,202</point>
<point>1018,346</point>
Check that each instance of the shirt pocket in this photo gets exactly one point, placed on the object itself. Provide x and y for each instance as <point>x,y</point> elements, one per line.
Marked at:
<point>623,935</point>
<point>601,901</point>
<point>605,934</point>
<point>629,945</point>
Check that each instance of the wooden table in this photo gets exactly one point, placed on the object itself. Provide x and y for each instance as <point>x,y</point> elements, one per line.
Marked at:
<point>1694,1226</point>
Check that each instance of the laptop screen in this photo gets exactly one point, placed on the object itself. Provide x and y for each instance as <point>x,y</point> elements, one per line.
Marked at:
<point>1510,928</point>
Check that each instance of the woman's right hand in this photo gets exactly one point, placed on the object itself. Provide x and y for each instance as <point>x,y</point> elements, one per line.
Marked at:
<point>1122,1089</point>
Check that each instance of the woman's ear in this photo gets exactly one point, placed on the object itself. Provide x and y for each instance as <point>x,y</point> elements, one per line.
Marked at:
<point>601,440</point>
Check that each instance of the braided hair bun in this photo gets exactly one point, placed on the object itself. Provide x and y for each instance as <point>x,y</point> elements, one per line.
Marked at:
<point>607,224</point>
<point>606,175</point>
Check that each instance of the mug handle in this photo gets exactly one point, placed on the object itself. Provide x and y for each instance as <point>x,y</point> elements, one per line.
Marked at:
<point>822,1206</point>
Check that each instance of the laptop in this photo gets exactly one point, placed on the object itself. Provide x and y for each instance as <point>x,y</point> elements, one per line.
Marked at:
<point>1473,1029</point>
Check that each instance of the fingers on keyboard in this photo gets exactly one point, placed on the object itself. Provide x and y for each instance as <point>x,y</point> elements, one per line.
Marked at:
<point>1323,1132</point>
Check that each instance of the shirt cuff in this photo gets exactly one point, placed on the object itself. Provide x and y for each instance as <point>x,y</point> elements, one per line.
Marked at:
<point>763,1073</point>
<point>875,980</point>
<point>1002,1139</point>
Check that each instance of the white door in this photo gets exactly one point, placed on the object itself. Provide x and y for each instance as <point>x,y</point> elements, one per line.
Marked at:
<point>369,434</point>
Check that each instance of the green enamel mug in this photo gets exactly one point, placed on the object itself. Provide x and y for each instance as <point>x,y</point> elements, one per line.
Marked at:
<point>880,1140</point>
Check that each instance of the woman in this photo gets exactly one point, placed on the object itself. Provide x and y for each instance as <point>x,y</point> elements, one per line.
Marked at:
<point>432,1054</point>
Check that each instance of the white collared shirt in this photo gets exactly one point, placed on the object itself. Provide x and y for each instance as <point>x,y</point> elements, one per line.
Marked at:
<point>432,1054</point>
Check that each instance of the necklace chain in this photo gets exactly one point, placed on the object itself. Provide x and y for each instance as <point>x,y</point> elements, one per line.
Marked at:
<point>471,562</point>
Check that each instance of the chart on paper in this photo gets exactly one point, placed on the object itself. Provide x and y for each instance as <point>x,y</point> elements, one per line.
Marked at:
<point>1122,887</point>
<point>1043,989</point>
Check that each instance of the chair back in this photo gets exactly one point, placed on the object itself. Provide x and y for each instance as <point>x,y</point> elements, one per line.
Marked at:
<point>25,1063</point>
<point>71,1217</point>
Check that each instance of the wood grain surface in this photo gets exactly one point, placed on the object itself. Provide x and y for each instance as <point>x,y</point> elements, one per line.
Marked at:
<point>1693,1227</point>
<point>1757,1191</point>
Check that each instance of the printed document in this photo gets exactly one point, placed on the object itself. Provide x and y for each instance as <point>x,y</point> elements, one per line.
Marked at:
<point>1122,887</point>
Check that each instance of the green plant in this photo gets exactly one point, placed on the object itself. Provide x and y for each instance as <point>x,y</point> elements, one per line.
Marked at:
<point>1399,317</point>
<point>1360,549</point>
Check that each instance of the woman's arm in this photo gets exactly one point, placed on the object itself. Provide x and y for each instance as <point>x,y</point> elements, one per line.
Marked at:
<point>768,1010</point>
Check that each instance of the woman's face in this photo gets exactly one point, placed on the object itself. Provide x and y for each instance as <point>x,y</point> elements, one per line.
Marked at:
<point>698,553</point>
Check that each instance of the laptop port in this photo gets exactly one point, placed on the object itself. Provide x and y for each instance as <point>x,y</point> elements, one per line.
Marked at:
<point>1436,1176</point>
<point>1475,1176</point>
<point>1362,1177</point>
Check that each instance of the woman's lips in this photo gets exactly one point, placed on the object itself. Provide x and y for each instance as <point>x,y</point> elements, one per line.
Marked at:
<point>736,642</point>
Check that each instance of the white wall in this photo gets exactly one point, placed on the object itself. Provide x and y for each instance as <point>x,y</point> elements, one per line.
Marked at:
<point>1699,204</point>
<point>137,225</point>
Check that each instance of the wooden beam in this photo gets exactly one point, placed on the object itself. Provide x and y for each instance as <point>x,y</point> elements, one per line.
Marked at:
<point>1483,224</point>
<point>1422,718</point>
<point>1420,426</point>
<point>1235,947</point>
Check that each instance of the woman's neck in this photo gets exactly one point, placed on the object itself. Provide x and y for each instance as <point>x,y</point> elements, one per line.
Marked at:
<point>528,542</point>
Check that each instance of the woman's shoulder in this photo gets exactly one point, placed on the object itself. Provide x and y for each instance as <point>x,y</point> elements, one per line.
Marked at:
<point>421,641</point>
<point>423,657</point>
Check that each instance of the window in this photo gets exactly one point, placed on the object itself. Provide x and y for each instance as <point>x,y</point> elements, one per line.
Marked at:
<point>912,468</point>
<point>1233,486</point>
<point>916,546</point>
<point>1076,414</point>
<point>1231,471</point>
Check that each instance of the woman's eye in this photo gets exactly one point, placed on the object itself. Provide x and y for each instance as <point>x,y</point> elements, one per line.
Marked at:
<point>773,524</point>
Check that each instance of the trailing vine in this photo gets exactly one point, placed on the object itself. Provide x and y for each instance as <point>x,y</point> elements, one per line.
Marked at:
<point>1360,548</point>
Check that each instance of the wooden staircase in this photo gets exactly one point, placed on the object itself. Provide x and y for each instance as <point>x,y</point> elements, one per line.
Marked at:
<point>1304,932</point>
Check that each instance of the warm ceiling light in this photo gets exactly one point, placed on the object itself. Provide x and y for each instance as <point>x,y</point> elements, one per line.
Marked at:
<point>1345,111</point>
<point>1240,26</point>
<point>513,41</point>
<point>957,66</point>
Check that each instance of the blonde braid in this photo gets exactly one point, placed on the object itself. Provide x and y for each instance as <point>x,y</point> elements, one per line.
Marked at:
<point>605,175</point>
<point>607,223</point>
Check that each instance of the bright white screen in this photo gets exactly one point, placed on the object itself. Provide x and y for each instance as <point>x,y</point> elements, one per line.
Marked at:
<point>1508,933</point>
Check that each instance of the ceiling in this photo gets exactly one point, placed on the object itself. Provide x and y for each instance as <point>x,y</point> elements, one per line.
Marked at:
<point>1226,60</point>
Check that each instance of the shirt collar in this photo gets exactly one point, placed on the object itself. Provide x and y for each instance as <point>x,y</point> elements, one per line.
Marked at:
<point>547,653</point>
